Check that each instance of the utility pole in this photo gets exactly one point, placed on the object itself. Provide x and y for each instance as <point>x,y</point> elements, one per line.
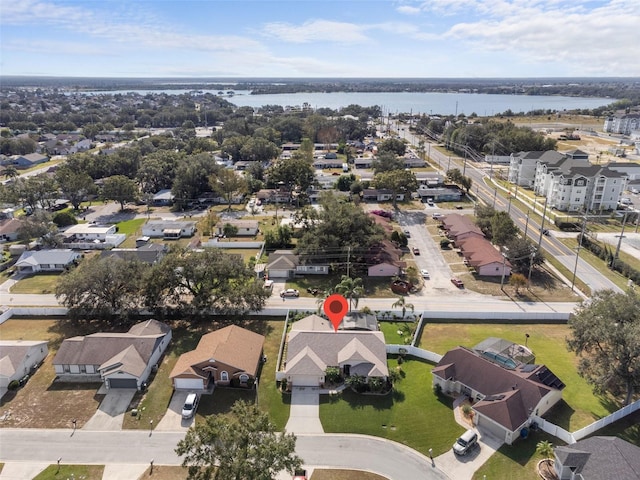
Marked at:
<point>624,222</point>
<point>544,212</point>
<point>348,259</point>
<point>575,268</point>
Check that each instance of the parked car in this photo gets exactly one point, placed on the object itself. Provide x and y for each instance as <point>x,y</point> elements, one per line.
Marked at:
<point>190,406</point>
<point>459,207</point>
<point>424,273</point>
<point>407,233</point>
<point>290,292</point>
<point>430,201</point>
<point>465,443</point>
<point>416,251</point>
<point>300,475</point>
<point>457,282</point>
<point>437,216</point>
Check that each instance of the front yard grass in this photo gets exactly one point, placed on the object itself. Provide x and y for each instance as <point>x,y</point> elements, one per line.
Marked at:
<point>325,474</point>
<point>55,472</point>
<point>131,227</point>
<point>579,408</point>
<point>165,472</point>
<point>39,283</point>
<point>413,414</point>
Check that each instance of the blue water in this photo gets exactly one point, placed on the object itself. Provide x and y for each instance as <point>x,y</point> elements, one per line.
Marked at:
<point>405,102</point>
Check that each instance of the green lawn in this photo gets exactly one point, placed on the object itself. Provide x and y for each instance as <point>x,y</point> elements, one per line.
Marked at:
<point>55,472</point>
<point>39,283</point>
<point>131,227</point>
<point>412,414</point>
<point>580,406</point>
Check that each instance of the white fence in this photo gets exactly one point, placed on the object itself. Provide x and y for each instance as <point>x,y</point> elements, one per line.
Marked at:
<point>414,352</point>
<point>33,312</point>
<point>609,419</point>
<point>554,430</point>
<point>217,244</point>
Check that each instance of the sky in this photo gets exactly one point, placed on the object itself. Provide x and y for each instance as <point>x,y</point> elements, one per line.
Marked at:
<point>309,38</point>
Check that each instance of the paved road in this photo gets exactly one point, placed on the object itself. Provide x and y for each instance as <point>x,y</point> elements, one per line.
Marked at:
<point>135,448</point>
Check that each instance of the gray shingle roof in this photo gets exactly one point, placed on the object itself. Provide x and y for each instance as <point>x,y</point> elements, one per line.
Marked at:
<point>609,457</point>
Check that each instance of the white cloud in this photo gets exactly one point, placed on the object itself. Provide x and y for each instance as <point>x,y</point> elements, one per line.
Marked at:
<point>51,47</point>
<point>316,31</point>
<point>408,10</point>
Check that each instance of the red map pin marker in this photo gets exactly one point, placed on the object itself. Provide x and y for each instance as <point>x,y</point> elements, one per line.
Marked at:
<point>336,307</point>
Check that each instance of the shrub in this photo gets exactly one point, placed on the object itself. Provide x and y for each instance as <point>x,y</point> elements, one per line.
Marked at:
<point>445,243</point>
<point>64,219</point>
<point>332,375</point>
<point>13,385</point>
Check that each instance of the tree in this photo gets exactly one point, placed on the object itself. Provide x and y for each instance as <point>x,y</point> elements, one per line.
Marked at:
<point>120,189</point>
<point>503,228</point>
<point>545,448</point>
<point>340,233</point>
<point>605,333</point>
<point>292,172</point>
<point>393,145</point>
<point>352,289</point>
<point>517,281</point>
<point>398,181</point>
<point>74,185</point>
<point>38,226</point>
<point>228,185</point>
<point>402,303</point>
<point>102,287</point>
<point>386,162</point>
<point>198,282</point>
<point>243,445</point>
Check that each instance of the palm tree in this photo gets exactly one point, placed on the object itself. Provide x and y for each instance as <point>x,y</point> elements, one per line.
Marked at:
<point>10,172</point>
<point>352,289</point>
<point>402,302</point>
<point>545,448</point>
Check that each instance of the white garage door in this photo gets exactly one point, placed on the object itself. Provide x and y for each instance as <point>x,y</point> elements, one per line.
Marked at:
<point>305,381</point>
<point>485,424</point>
<point>188,384</point>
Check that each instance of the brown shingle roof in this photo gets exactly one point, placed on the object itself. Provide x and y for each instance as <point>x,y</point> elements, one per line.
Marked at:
<point>498,384</point>
<point>232,345</point>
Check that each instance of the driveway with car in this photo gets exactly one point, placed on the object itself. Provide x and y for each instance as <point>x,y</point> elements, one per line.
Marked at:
<point>172,420</point>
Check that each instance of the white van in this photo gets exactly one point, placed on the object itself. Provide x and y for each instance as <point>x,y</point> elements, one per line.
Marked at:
<point>345,167</point>
<point>190,406</point>
<point>465,443</point>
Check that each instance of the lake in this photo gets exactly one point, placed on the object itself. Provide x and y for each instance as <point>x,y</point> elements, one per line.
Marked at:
<point>430,103</point>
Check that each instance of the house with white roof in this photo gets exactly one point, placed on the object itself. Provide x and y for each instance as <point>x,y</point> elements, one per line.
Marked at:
<point>168,229</point>
<point>35,261</point>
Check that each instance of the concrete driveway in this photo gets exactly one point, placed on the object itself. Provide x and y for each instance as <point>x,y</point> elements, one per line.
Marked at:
<point>172,420</point>
<point>111,412</point>
<point>304,415</point>
<point>463,468</point>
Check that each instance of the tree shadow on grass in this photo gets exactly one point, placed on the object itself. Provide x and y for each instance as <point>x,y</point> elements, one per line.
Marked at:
<point>358,401</point>
<point>523,450</point>
<point>560,414</point>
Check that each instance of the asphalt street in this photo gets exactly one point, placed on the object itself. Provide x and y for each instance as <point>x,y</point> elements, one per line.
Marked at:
<point>384,457</point>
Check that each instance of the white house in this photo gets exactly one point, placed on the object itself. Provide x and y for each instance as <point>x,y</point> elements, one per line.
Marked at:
<point>120,360</point>
<point>169,230</point>
<point>19,358</point>
<point>92,236</point>
<point>245,227</point>
<point>34,261</point>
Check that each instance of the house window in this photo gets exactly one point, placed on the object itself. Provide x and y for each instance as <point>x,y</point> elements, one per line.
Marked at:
<point>244,378</point>
<point>66,368</point>
<point>224,376</point>
<point>83,369</point>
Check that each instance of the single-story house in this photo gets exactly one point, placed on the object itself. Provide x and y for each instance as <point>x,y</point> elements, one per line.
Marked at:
<point>327,163</point>
<point>245,227</point>
<point>169,230</point>
<point>363,162</point>
<point>228,356</point>
<point>19,358</point>
<point>383,260</point>
<point>446,193</point>
<point>34,261</point>
<point>9,229</point>
<point>120,360</point>
<point>458,227</point>
<point>272,195</point>
<point>90,231</point>
<point>27,161</point>
<point>506,393</point>
<point>286,264</point>
<point>313,346</point>
<point>598,457</point>
<point>480,254</point>
<point>380,195</point>
<point>148,253</point>
<point>163,198</point>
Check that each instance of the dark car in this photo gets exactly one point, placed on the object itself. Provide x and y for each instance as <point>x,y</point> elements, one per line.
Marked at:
<point>457,282</point>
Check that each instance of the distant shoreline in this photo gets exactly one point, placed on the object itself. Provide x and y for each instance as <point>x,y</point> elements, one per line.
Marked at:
<point>613,87</point>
